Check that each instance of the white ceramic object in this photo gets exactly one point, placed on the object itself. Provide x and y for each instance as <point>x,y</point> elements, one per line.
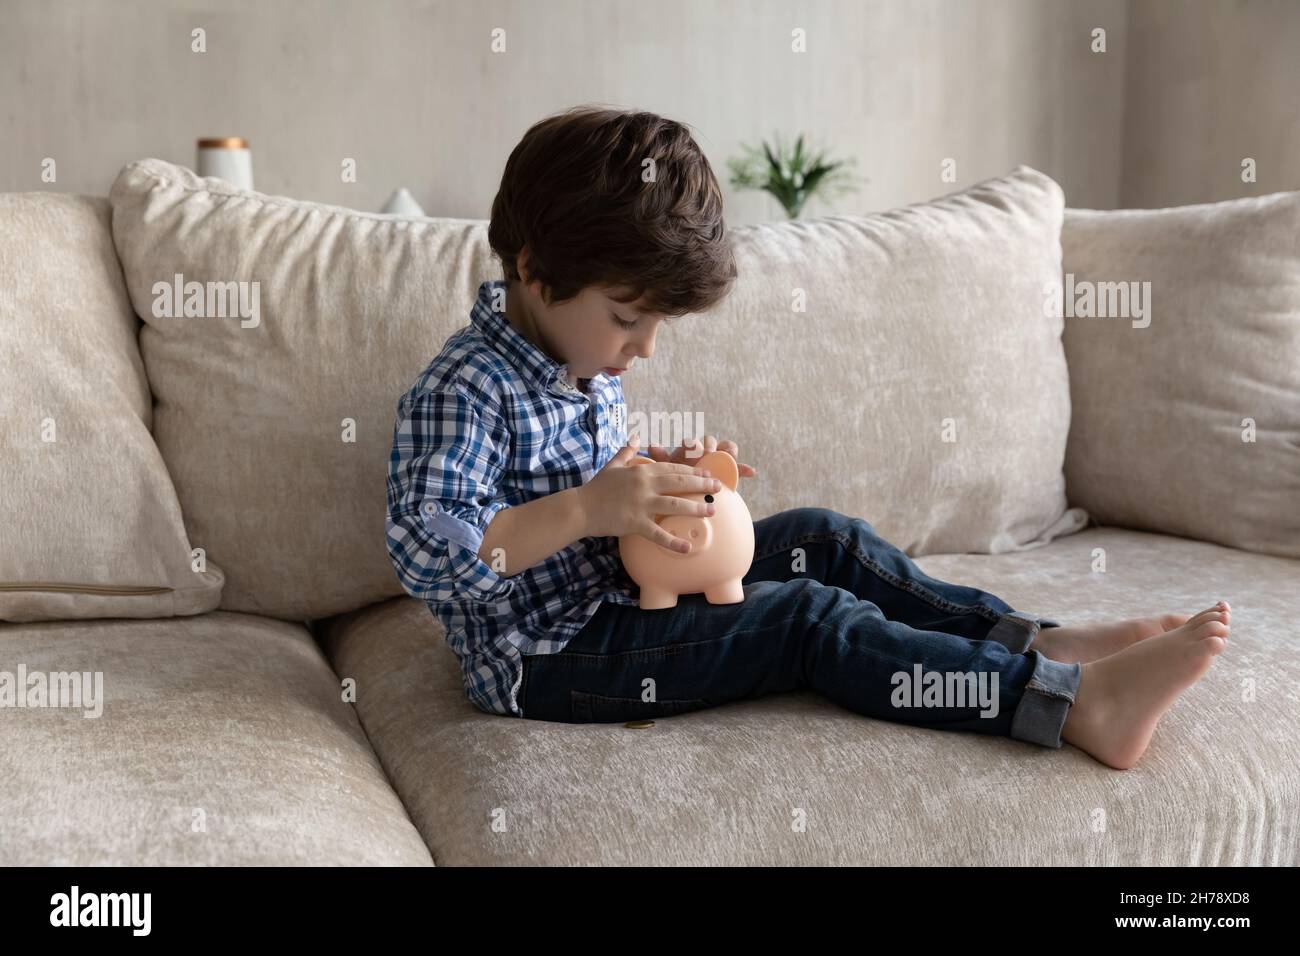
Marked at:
<point>227,158</point>
<point>402,203</point>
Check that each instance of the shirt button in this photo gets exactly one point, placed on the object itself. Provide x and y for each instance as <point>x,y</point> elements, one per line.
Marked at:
<point>430,508</point>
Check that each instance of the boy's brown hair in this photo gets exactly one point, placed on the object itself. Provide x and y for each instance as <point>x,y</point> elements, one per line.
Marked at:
<point>573,191</point>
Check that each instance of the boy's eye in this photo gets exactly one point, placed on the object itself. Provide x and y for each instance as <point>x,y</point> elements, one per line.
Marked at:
<point>622,324</point>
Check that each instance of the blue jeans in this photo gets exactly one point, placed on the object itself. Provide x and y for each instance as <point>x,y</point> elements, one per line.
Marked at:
<point>829,606</point>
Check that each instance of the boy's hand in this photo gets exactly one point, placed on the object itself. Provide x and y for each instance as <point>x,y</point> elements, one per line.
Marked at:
<point>624,499</point>
<point>695,449</point>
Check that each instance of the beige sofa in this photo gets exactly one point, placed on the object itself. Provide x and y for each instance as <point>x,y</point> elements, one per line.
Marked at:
<point>192,508</point>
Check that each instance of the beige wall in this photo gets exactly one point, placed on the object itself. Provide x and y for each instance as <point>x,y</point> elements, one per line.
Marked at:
<point>413,93</point>
<point>1209,84</point>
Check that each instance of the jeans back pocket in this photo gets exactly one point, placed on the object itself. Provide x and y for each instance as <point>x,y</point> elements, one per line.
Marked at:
<point>598,709</point>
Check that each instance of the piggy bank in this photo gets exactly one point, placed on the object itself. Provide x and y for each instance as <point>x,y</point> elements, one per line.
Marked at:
<point>722,545</point>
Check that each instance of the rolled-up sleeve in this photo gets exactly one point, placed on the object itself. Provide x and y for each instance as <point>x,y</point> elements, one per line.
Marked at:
<point>443,480</point>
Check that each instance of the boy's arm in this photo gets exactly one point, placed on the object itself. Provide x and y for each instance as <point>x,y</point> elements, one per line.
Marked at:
<point>447,459</point>
<point>527,534</point>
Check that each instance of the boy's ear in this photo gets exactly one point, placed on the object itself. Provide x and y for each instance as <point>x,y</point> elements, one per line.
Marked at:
<point>720,465</point>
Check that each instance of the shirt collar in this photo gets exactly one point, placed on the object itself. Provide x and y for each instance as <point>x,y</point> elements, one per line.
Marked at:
<point>538,368</point>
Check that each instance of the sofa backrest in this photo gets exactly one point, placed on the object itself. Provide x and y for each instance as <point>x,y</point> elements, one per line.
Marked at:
<point>276,423</point>
<point>89,521</point>
<point>895,366</point>
<point>898,366</point>
<point>1182,332</point>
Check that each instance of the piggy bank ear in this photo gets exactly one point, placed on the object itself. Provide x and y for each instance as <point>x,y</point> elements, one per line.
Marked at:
<point>720,465</point>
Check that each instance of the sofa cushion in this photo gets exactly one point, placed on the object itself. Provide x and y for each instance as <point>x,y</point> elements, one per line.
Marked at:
<point>90,521</point>
<point>1219,784</point>
<point>277,426</point>
<point>1187,418</point>
<point>896,366</point>
<point>221,739</point>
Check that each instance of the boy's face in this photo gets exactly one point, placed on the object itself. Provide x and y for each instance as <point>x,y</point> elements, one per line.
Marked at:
<point>584,332</point>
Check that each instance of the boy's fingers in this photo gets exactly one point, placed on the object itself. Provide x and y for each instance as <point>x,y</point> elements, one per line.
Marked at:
<point>670,541</point>
<point>628,451</point>
<point>679,468</point>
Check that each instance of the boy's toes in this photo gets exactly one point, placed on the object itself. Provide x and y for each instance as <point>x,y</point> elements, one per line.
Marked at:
<point>1214,643</point>
<point>1209,614</point>
<point>1210,629</point>
<point>1170,621</point>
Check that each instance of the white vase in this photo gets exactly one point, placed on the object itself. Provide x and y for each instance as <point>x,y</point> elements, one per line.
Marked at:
<point>402,203</point>
<point>227,158</point>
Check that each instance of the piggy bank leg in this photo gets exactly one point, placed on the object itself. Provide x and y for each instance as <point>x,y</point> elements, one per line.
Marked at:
<point>730,592</point>
<point>653,599</point>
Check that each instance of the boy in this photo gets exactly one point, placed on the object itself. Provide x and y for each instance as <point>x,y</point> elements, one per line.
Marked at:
<point>508,488</point>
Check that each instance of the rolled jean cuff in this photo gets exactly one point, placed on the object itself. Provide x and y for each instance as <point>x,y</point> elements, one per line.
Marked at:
<point>1016,630</point>
<point>1046,702</point>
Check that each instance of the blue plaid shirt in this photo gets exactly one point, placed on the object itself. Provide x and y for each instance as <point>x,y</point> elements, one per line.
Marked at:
<point>491,423</point>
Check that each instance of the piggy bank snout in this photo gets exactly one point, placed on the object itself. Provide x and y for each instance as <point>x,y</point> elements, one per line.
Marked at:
<point>696,529</point>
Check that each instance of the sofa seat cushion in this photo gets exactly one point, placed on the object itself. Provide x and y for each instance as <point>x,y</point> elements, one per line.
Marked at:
<point>1219,784</point>
<point>220,739</point>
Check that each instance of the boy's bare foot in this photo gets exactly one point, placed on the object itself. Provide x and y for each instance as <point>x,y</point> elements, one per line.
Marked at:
<point>1081,643</point>
<point>1122,697</point>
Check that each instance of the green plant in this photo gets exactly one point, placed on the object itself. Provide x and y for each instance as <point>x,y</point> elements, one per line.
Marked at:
<point>791,177</point>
